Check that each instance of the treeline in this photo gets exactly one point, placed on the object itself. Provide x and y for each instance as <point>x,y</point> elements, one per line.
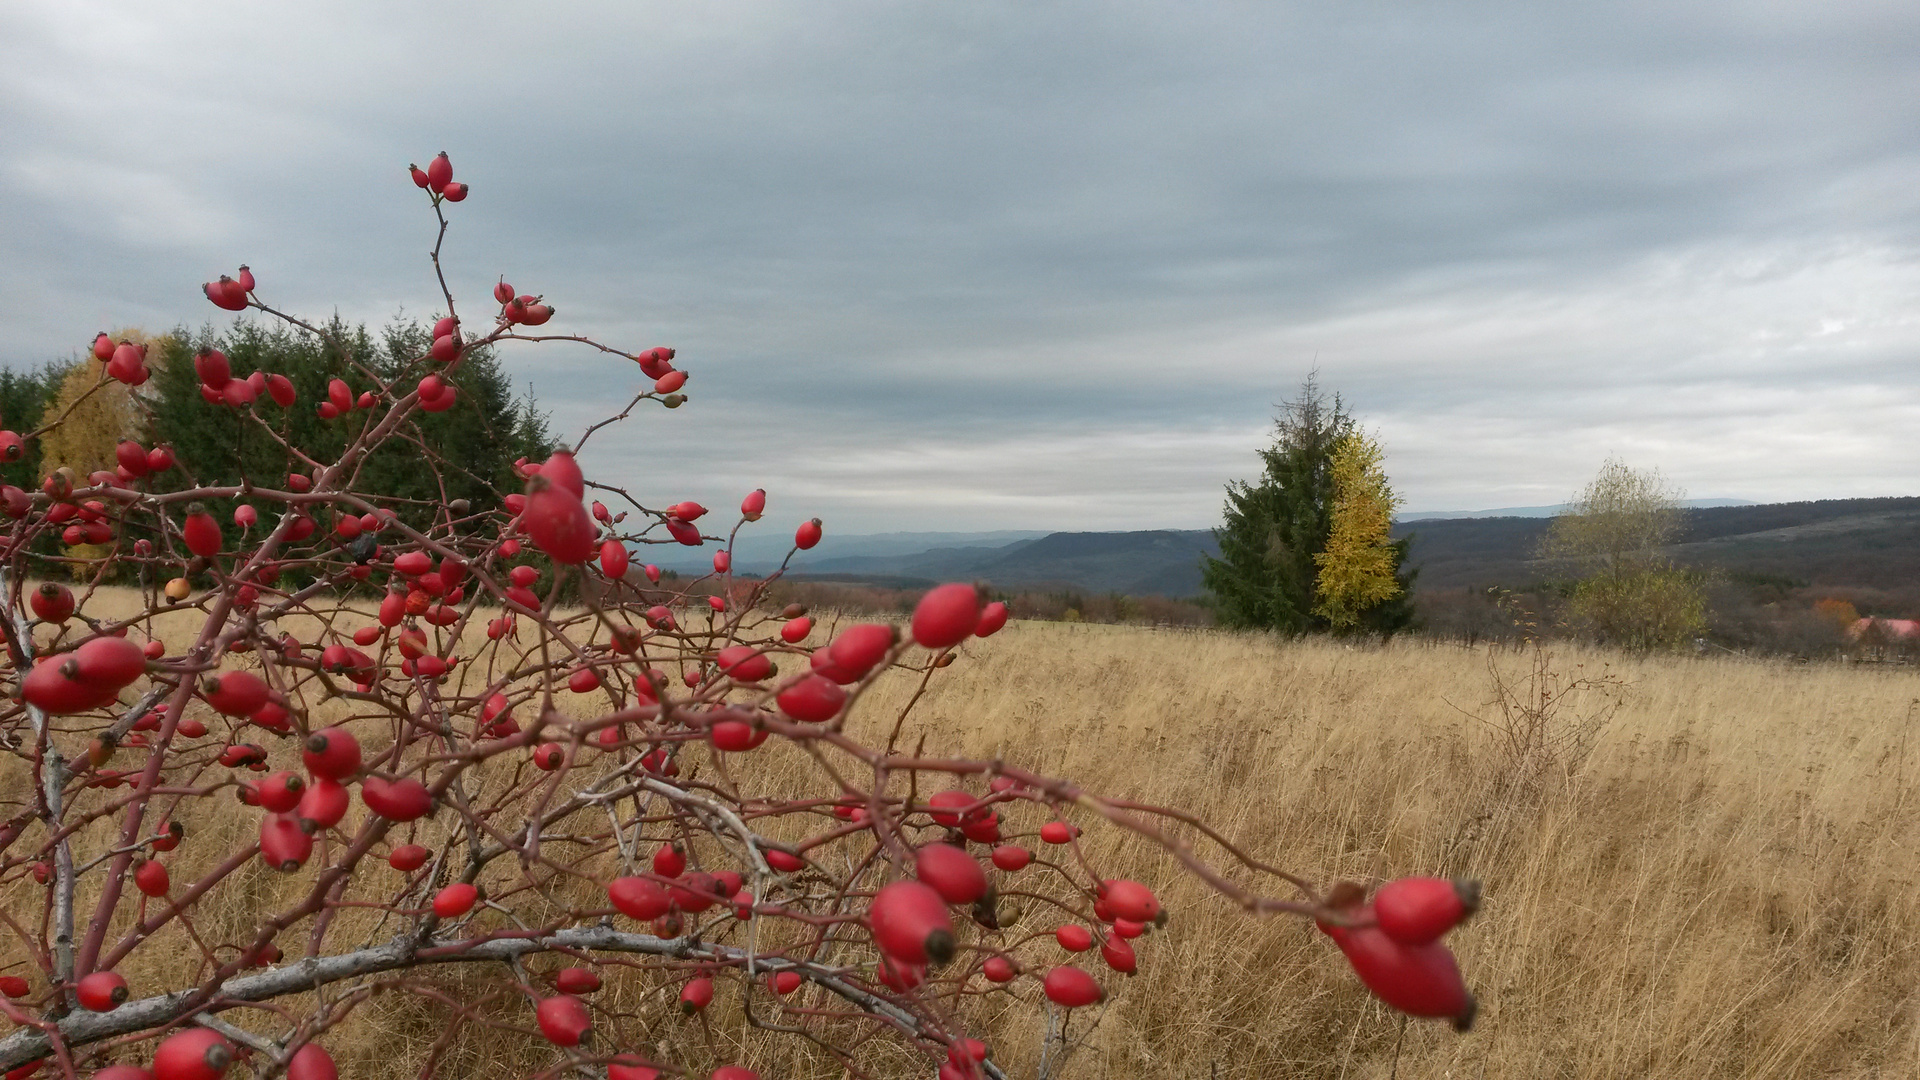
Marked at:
<point>1755,614</point>
<point>24,399</point>
<point>466,452</point>
<point>1055,606</point>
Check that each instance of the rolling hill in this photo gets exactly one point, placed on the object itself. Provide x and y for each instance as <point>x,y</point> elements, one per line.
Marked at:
<point>1831,542</point>
<point>1150,563</point>
<point>1858,542</point>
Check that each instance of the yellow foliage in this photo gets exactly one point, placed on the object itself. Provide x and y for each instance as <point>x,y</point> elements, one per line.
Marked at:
<point>1633,595</point>
<point>98,412</point>
<point>1357,565</point>
<point>1620,521</point>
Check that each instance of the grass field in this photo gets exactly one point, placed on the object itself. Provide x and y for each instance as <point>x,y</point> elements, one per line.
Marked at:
<point>1723,887</point>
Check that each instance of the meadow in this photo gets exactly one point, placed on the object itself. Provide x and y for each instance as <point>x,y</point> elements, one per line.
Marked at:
<point>1724,886</point>
<point>1693,867</point>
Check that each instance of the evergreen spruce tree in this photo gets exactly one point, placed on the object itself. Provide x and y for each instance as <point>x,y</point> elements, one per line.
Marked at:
<point>24,398</point>
<point>1266,576</point>
<point>471,447</point>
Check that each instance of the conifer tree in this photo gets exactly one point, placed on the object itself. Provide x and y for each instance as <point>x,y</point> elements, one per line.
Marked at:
<point>474,443</point>
<point>1357,567</point>
<point>24,398</point>
<point>1267,576</point>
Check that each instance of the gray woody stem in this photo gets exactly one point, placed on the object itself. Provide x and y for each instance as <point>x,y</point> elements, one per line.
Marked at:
<point>80,1028</point>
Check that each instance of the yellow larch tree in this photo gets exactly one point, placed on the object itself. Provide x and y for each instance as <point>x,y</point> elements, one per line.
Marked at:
<point>1357,565</point>
<point>95,412</point>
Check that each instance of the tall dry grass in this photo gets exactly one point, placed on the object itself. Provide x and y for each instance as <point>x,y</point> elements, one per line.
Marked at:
<point>1724,887</point>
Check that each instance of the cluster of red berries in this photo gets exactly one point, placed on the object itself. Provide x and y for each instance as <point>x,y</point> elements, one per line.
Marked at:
<point>298,808</point>
<point>126,361</point>
<point>437,395</point>
<point>661,900</point>
<point>937,863</point>
<point>437,177</point>
<point>219,386</point>
<point>525,310</point>
<point>657,364</point>
<point>89,521</point>
<point>341,400</point>
<point>555,516</point>
<point>945,617</point>
<point>230,293</point>
<point>193,1054</point>
<point>1393,943</point>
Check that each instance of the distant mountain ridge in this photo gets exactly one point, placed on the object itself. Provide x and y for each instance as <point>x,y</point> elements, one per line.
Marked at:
<point>1554,510</point>
<point>1162,562</point>
<point>1870,542</point>
<point>759,550</point>
<point>1833,541</point>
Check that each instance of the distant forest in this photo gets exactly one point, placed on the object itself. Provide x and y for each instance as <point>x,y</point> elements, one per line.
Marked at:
<point>1767,568</point>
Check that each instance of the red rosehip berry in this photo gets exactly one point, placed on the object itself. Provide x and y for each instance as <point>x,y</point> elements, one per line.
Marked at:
<point>953,873</point>
<point>408,857</point>
<point>193,1054</point>
<point>332,752</point>
<point>102,991</point>
<point>813,699</point>
<point>405,799</point>
<point>455,900</point>
<point>439,173</point>
<point>1073,937</point>
<point>1071,988</point>
<point>564,1019</point>
<point>1415,911</point>
<point>946,616</point>
<point>910,923</point>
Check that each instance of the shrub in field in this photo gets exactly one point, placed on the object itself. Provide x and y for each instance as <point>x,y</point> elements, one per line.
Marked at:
<point>441,766</point>
<point>1629,591</point>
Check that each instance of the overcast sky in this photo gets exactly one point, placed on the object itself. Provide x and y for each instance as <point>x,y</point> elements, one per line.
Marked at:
<point>1038,265</point>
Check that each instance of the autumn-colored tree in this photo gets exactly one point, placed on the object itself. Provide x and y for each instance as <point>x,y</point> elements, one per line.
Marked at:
<point>1841,613</point>
<point>1631,594</point>
<point>99,411</point>
<point>1358,565</point>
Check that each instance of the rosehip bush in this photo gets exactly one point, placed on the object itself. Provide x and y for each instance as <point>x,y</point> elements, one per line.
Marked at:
<point>440,764</point>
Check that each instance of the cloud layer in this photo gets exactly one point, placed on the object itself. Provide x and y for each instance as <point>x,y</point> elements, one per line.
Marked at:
<point>1040,266</point>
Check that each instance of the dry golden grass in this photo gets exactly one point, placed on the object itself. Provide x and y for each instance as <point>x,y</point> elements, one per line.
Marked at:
<point>1724,888</point>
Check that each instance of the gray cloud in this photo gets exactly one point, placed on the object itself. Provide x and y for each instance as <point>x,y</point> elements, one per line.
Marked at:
<point>1019,265</point>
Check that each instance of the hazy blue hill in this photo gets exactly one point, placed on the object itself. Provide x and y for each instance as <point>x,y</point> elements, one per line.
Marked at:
<point>1536,511</point>
<point>940,562</point>
<point>1866,542</point>
<point>1870,542</point>
<point>1161,562</point>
